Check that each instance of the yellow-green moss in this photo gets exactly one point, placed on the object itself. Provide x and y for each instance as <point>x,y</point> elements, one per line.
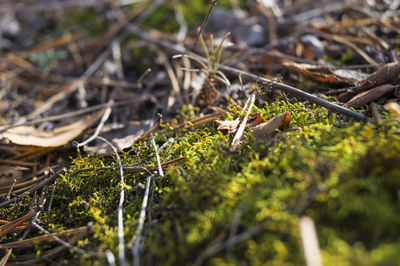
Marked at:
<point>344,177</point>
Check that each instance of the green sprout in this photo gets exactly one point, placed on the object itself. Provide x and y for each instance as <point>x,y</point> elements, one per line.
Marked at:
<point>213,56</point>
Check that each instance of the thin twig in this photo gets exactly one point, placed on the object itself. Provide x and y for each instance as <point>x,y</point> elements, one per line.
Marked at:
<point>34,188</point>
<point>239,132</point>
<point>52,195</point>
<point>62,242</point>
<point>110,257</point>
<point>104,118</point>
<point>121,241</point>
<point>142,216</point>
<point>200,31</point>
<point>11,188</point>
<point>160,170</point>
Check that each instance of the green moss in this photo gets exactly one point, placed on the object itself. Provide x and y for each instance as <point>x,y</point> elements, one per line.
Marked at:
<point>345,178</point>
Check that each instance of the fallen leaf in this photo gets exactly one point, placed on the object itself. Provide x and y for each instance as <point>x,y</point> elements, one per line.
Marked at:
<point>127,142</point>
<point>319,73</point>
<point>265,130</point>
<point>286,120</point>
<point>226,126</point>
<point>370,95</point>
<point>122,138</point>
<point>28,135</point>
<point>255,120</point>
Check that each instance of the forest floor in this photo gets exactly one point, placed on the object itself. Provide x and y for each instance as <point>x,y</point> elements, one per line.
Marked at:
<point>199,132</point>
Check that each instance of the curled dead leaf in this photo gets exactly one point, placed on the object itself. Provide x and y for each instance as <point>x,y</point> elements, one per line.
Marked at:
<point>320,73</point>
<point>29,135</point>
<point>226,126</point>
<point>264,131</point>
<point>127,142</point>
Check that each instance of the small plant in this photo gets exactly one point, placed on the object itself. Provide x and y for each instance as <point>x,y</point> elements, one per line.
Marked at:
<point>214,78</point>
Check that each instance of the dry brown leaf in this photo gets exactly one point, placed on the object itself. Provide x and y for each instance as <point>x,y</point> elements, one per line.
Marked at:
<point>28,135</point>
<point>319,73</point>
<point>226,126</point>
<point>369,96</point>
<point>265,130</point>
<point>127,142</point>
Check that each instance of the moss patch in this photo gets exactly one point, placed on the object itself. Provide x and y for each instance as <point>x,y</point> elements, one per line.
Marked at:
<point>345,178</point>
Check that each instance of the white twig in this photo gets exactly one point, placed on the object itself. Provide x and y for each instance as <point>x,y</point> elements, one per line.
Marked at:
<point>142,216</point>
<point>121,241</point>
<point>310,241</point>
<point>239,132</point>
<point>98,129</point>
<point>160,170</point>
<point>52,194</point>
<point>59,240</point>
<point>11,188</point>
<point>110,257</point>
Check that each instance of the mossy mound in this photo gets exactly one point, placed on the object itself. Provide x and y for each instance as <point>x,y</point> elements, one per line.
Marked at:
<point>227,208</point>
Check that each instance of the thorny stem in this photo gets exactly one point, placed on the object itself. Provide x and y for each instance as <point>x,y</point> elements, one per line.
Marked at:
<point>250,77</point>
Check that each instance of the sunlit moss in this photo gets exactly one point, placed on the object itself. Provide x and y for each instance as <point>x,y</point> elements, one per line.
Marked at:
<point>345,178</point>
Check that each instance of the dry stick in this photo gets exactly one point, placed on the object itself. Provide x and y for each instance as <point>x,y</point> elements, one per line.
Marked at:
<point>34,188</point>
<point>200,31</point>
<point>98,129</point>
<point>121,242</point>
<point>160,170</point>
<point>142,216</point>
<point>4,260</point>
<point>239,132</point>
<point>46,6</point>
<point>52,195</point>
<point>250,77</point>
<point>310,241</point>
<point>62,242</point>
<point>11,188</point>
<point>171,74</point>
<point>110,257</point>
